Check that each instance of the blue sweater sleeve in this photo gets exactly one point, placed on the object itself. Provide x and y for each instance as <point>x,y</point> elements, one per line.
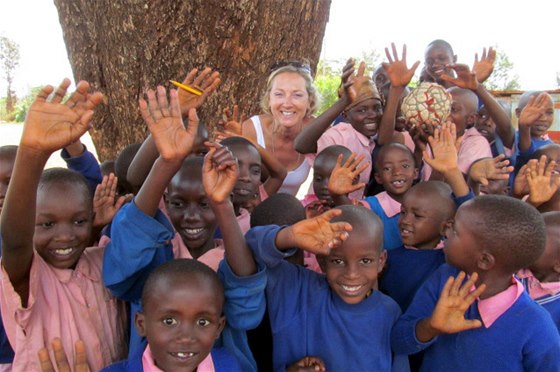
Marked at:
<point>86,165</point>
<point>245,300</point>
<point>403,335</point>
<point>139,243</point>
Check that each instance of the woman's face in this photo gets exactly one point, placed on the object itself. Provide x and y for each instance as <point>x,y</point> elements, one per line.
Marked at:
<point>289,100</point>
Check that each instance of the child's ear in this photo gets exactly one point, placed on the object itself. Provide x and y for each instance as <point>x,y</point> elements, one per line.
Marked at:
<point>517,112</point>
<point>471,119</point>
<point>139,323</point>
<point>221,325</point>
<point>416,172</point>
<point>556,267</point>
<point>382,261</point>
<point>444,226</point>
<point>377,178</point>
<point>486,261</point>
<point>165,197</point>
<point>455,58</point>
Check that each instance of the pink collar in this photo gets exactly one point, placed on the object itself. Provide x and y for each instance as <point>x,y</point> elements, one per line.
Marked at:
<point>492,308</point>
<point>149,364</point>
<point>365,141</point>
<point>390,206</point>
<point>535,288</point>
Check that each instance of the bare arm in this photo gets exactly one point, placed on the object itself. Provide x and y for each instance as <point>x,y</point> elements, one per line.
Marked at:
<point>49,126</point>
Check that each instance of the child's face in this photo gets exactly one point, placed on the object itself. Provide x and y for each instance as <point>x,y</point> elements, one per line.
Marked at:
<point>247,185</point>
<point>460,246</point>
<point>548,264</point>
<point>181,322</point>
<point>495,187</point>
<point>485,125</point>
<point>396,171</point>
<point>421,222</point>
<point>544,122</point>
<point>6,168</point>
<point>189,209</point>
<point>289,99</point>
<point>322,169</point>
<point>365,116</point>
<point>437,58</point>
<point>62,224</point>
<point>352,268</point>
<point>460,113</point>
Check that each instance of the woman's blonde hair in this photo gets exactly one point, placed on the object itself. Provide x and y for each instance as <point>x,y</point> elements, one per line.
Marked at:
<point>312,92</point>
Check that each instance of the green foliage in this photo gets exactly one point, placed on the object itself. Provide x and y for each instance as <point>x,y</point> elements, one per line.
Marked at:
<point>23,104</point>
<point>502,78</point>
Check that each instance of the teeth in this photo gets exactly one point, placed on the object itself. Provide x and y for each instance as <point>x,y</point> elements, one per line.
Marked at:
<point>398,182</point>
<point>288,113</point>
<point>351,288</point>
<point>193,231</point>
<point>184,355</point>
<point>63,252</point>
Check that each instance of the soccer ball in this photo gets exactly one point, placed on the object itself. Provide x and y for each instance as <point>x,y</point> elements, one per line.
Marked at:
<point>428,103</point>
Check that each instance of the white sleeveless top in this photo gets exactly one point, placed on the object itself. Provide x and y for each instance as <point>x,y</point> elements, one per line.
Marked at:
<point>295,177</point>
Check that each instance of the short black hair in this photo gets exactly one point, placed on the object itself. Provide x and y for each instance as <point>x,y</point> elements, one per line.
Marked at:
<point>62,176</point>
<point>439,193</point>
<point>122,163</point>
<point>278,209</point>
<point>513,231</point>
<point>8,151</point>
<point>237,141</point>
<point>333,151</point>
<point>544,150</point>
<point>443,43</point>
<point>388,147</point>
<point>364,223</point>
<point>184,269</point>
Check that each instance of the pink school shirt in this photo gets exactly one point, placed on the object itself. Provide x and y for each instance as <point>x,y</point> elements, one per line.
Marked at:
<point>70,304</point>
<point>211,258</point>
<point>345,135</point>
<point>535,288</point>
<point>149,364</point>
<point>492,308</point>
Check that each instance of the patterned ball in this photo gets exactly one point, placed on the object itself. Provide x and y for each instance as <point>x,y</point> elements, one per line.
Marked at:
<point>429,102</point>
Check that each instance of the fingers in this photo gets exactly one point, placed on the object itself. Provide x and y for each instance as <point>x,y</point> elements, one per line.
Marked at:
<point>162,102</point>
<point>45,361</point>
<point>174,109</point>
<point>80,356</point>
<point>60,91</point>
<point>59,355</point>
<point>388,55</point>
<point>192,122</point>
<point>44,93</point>
<point>361,69</point>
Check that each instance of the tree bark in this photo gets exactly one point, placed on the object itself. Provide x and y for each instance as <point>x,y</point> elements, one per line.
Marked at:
<point>123,47</point>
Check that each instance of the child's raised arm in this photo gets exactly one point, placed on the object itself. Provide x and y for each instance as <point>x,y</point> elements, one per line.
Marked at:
<point>535,107</point>
<point>207,81</point>
<point>173,141</point>
<point>49,126</point>
<point>306,141</point>
<point>341,181</point>
<point>468,80</point>
<point>219,175</point>
<point>542,185</point>
<point>399,75</point>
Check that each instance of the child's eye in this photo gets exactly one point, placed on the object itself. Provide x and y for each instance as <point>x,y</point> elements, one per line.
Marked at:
<point>47,225</point>
<point>204,204</point>
<point>366,261</point>
<point>176,204</point>
<point>256,170</point>
<point>318,179</point>
<point>337,261</point>
<point>203,322</point>
<point>406,166</point>
<point>80,222</point>
<point>169,321</point>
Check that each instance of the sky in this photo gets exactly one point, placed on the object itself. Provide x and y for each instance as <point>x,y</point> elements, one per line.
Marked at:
<point>523,30</point>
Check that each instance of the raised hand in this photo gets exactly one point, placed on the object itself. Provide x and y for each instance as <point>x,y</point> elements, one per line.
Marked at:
<point>173,141</point>
<point>444,151</point>
<point>219,173</point>
<point>399,74</point>
<point>341,181</point>
<point>347,79</point>
<point>207,82</point>
<point>316,208</point>
<point>490,169</point>
<point>355,81</point>
<point>61,360</point>
<point>484,67</point>
<point>535,107</point>
<point>454,300</point>
<point>542,184</point>
<point>520,184</point>
<point>465,79</point>
<point>105,205</point>
<point>307,364</point>
<point>51,125</point>
<point>233,120</point>
<point>318,235</point>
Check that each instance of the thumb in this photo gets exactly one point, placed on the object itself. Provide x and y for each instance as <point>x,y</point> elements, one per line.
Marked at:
<point>483,181</point>
<point>471,324</point>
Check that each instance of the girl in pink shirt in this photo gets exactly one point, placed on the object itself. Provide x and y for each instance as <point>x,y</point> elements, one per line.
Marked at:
<point>50,282</point>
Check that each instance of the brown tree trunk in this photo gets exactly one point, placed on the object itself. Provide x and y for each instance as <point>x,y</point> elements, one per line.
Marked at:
<point>124,46</point>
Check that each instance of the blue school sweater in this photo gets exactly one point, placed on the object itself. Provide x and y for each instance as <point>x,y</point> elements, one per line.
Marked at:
<point>391,232</point>
<point>551,303</point>
<point>308,319</point>
<point>140,243</point>
<point>222,359</point>
<point>406,270</point>
<point>524,338</point>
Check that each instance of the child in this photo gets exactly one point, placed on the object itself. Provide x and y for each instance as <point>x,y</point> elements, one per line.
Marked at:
<point>182,316</point>
<point>427,209</point>
<point>396,171</point>
<point>367,123</point>
<point>339,317</point>
<point>542,278</point>
<point>198,200</point>
<point>491,239</point>
<point>51,284</point>
<point>122,163</point>
<point>438,56</point>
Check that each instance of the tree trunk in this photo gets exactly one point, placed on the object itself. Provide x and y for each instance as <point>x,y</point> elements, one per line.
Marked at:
<point>123,47</point>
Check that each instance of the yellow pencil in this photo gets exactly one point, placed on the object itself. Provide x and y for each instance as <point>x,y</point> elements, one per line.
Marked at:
<point>186,87</point>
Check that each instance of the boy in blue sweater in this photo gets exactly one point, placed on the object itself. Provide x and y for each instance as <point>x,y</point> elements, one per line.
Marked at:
<point>339,317</point>
<point>426,211</point>
<point>497,326</point>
